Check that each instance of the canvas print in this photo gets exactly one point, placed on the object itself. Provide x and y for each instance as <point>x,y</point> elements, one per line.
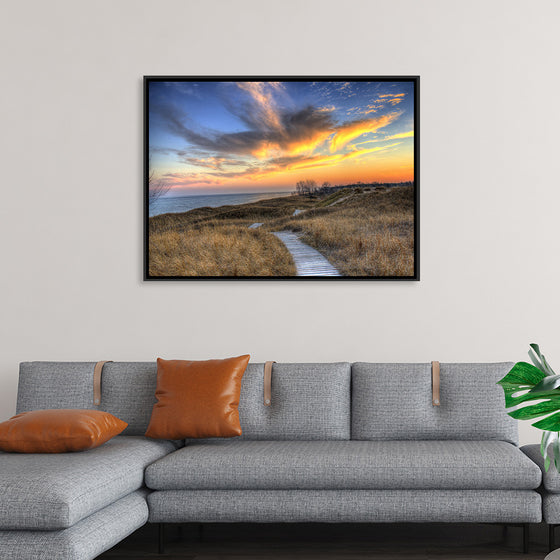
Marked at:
<point>273,178</point>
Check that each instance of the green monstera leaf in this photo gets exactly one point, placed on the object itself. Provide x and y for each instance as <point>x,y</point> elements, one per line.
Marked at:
<point>526,383</point>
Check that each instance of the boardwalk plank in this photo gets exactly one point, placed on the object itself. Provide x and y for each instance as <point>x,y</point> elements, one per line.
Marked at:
<point>308,261</point>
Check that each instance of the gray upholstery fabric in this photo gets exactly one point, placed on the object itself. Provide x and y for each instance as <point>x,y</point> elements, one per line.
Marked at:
<point>394,401</point>
<point>54,491</point>
<point>85,540</point>
<point>44,385</point>
<point>374,506</point>
<point>309,402</point>
<point>128,391</point>
<point>551,508</point>
<point>551,479</point>
<point>330,465</point>
<point>550,489</point>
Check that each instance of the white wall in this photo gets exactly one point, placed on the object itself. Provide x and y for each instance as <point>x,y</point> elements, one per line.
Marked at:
<point>70,211</point>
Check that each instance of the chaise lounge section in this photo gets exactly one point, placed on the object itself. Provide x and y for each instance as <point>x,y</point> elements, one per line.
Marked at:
<point>74,506</point>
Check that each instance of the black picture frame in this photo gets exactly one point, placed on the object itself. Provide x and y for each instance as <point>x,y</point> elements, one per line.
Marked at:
<point>148,80</point>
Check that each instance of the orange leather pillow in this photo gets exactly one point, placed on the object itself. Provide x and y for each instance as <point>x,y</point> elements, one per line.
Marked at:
<point>197,399</point>
<point>58,431</point>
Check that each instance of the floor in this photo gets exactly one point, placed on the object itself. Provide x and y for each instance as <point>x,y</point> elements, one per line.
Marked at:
<point>330,542</point>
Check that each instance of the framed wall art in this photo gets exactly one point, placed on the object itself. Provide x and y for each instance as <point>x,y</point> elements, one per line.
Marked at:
<point>281,178</point>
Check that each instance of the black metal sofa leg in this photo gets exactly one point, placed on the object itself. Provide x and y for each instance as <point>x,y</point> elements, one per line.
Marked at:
<point>161,538</point>
<point>551,528</point>
<point>526,538</point>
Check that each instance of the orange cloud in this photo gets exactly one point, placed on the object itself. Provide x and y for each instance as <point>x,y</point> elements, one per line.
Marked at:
<point>371,109</point>
<point>370,150</point>
<point>392,98</point>
<point>409,134</point>
<point>319,161</point>
<point>309,144</point>
<point>348,132</point>
<point>266,150</point>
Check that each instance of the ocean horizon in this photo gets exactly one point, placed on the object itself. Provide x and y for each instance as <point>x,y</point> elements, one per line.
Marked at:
<point>177,204</point>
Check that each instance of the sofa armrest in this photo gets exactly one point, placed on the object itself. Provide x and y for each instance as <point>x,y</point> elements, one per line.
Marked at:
<point>551,479</point>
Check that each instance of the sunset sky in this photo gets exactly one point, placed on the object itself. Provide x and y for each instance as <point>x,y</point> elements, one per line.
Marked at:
<point>239,137</point>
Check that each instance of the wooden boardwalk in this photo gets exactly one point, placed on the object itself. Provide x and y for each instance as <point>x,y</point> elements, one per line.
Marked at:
<point>308,261</point>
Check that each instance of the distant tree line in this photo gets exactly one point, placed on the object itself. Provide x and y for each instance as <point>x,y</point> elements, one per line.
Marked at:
<point>309,187</point>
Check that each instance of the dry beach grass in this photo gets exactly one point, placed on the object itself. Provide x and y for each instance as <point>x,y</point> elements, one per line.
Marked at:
<point>216,249</point>
<point>363,232</point>
<point>367,233</point>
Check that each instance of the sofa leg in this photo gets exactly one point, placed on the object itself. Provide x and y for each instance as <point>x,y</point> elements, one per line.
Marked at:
<point>161,538</point>
<point>551,528</point>
<point>525,538</point>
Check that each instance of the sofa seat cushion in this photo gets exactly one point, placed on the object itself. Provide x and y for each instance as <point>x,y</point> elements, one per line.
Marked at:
<point>55,491</point>
<point>551,508</point>
<point>290,465</point>
<point>550,478</point>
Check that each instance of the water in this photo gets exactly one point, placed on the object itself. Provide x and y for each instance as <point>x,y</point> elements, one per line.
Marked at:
<point>176,204</point>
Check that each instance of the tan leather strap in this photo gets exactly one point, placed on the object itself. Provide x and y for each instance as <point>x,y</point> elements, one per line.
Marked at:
<point>435,384</point>
<point>268,383</point>
<point>97,371</point>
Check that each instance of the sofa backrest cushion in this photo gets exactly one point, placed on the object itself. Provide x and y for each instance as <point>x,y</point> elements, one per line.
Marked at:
<point>394,402</point>
<point>309,401</point>
<point>44,385</point>
<point>127,389</point>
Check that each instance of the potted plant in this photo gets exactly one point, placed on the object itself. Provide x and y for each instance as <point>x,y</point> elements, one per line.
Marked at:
<point>526,383</point>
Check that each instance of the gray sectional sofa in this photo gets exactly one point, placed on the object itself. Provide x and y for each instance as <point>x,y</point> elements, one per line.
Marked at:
<point>340,442</point>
